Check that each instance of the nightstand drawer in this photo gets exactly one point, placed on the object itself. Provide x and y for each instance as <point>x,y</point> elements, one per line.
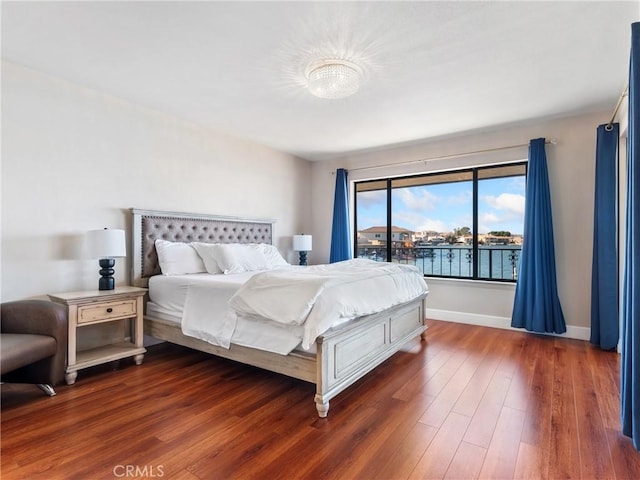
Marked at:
<point>106,311</point>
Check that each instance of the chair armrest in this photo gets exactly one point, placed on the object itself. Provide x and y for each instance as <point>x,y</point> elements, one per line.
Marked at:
<point>38,317</point>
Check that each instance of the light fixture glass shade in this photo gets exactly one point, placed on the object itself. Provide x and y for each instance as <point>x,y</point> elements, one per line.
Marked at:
<point>333,78</point>
<point>302,243</point>
<point>106,243</point>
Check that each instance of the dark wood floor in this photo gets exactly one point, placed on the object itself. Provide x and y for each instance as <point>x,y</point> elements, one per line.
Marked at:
<point>469,402</point>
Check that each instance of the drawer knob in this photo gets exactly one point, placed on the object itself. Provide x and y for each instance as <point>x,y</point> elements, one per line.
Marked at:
<point>109,310</point>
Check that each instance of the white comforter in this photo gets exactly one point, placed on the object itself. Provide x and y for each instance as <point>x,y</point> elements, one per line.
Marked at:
<point>319,297</point>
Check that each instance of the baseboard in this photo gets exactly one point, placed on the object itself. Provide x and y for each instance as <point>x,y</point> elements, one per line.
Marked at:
<point>578,333</point>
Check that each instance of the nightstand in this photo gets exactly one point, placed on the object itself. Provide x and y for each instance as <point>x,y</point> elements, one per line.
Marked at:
<point>93,308</point>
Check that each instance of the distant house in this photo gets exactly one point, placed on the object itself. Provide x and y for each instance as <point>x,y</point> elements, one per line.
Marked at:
<point>424,235</point>
<point>378,236</point>
<point>494,240</point>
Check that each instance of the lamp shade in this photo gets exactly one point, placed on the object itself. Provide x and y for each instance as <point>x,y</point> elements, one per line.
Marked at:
<point>106,243</point>
<point>302,243</point>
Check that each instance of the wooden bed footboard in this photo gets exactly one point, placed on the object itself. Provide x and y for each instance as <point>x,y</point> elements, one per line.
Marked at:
<point>343,354</point>
<point>346,354</point>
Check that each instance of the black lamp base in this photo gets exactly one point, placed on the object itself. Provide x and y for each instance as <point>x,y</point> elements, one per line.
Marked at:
<point>303,258</point>
<point>106,281</point>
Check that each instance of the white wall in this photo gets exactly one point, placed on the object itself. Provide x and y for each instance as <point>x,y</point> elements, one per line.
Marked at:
<point>75,160</point>
<point>571,164</point>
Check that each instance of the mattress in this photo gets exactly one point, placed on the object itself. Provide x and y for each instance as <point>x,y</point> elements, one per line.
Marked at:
<point>168,294</point>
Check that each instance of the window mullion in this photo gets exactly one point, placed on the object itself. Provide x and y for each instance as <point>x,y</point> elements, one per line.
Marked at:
<point>355,220</point>
<point>389,219</point>
<point>476,258</point>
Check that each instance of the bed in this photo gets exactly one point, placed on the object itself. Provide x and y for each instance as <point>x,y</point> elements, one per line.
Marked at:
<point>340,356</point>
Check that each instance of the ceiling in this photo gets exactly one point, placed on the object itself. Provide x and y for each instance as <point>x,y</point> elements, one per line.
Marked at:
<point>432,69</point>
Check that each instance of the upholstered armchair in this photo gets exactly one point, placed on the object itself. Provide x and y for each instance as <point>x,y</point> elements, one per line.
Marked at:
<point>33,336</point>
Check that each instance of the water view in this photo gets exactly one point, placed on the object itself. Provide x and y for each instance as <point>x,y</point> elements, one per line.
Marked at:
<point>496,262</point>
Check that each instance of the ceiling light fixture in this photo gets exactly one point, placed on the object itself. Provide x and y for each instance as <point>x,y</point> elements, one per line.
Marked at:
<point>333,78</point>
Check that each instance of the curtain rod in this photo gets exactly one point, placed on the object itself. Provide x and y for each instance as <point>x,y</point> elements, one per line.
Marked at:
<point>552,141</point>
<point>624,93</point>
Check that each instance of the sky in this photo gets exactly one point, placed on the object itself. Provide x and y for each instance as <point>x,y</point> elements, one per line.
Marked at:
<point>443,207</point>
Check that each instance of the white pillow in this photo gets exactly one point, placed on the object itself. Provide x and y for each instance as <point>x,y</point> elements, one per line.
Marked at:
<point>233,257</point>
<point>206,253</point>
<point>272,256</point>
<point>177,258</point>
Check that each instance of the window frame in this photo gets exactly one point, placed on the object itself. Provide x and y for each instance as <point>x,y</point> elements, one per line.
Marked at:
<point>475,179</point>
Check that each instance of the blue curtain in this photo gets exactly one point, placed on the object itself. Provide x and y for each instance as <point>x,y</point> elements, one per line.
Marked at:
<point>630,363</point>
<point>536,306</point>
<point>340,240</point>
<point>604,272</point>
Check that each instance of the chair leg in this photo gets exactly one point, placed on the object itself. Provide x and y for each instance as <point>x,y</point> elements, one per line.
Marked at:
<point>48,389</point>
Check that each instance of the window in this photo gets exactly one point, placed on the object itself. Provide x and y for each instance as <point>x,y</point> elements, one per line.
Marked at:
<point>460,224</point>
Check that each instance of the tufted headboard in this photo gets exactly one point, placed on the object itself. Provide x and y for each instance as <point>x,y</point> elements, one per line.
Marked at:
<point>149,225</point>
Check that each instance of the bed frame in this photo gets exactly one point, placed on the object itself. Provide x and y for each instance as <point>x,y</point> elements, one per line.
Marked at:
<point>343,354</point>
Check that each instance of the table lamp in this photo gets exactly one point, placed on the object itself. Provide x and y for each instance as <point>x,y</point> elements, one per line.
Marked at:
<point>302,243</point>
<point>106,245</point>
